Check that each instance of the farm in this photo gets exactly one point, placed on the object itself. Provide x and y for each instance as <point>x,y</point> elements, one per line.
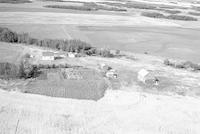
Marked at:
<point>99,67</point>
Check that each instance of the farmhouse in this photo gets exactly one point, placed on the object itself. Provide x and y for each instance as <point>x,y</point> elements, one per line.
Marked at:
<point>48,56</point>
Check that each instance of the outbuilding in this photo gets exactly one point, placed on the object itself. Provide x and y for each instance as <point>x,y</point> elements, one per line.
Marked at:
<point>111,73</point>
<point>147,77</point>
<point>105,67</point>
<point>59,55</point>
<point>72,55</point>
<point>48,56</point>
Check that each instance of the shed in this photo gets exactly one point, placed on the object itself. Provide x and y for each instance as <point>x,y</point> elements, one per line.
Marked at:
<point>105,67</point>
<point>72,55</point>
<point>147,77</point>
<point>111,73</point>
<point>32,56</point>
<point>47,56</point>
<point>59,56</point>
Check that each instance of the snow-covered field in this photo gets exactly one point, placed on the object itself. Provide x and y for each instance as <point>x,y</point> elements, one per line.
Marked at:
<point>119,112</point>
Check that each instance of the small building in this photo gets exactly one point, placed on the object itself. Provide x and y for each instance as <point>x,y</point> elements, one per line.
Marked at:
<point>147,77</point>
<point>32,56</point>
<point>111,73</point>
<point>105,67</point>
<point>48,56</point>
<point>59,56</point>
<point>72,55</point>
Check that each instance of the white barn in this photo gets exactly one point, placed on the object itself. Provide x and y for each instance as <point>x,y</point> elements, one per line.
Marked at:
<point>147,77</point>
<point>72,55</point>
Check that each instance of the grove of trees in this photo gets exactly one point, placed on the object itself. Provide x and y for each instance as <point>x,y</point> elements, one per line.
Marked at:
<point>74,45</point>
<point>22,71</point>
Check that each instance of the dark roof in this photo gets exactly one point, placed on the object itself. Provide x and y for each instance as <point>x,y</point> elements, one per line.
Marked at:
<point>47,54</point>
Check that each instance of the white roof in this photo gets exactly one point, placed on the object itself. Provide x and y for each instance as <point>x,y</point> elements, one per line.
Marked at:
<point>142,74</point>
<point>47,53</point>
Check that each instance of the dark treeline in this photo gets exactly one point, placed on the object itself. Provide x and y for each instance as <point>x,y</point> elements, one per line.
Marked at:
<point>23,70</point>
<point>6,35</point>
<point>87,6</point>
<point>194,13</point>
<point>15,1</point>
<point>182,65</point>
<point>171,17</point>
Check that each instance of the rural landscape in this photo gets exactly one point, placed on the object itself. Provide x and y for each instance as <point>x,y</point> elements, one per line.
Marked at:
<point>99,66</point>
